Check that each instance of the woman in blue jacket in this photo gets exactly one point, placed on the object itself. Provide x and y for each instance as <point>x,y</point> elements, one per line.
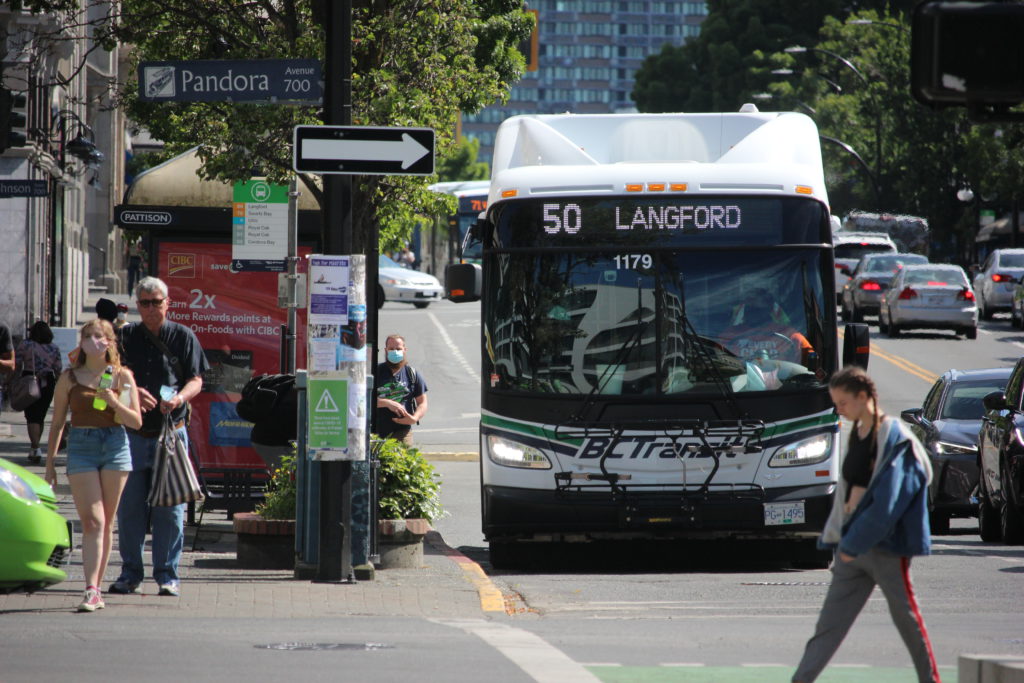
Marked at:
<point>874,537</point>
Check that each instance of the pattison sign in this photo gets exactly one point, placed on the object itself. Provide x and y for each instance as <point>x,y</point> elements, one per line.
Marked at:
<point>230,80</point>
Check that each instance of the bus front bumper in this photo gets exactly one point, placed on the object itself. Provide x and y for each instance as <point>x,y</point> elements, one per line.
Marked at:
<point>551,515</point>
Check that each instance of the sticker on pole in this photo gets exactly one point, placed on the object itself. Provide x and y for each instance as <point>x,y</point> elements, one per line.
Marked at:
<point>327,398</point>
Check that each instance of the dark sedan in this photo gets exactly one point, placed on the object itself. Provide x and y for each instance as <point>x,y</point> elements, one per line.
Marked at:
<point>947,424</point>
<point>1001,460</point>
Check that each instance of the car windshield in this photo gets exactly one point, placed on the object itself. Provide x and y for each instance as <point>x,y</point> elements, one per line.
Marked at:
<point>1011,260</point>
<point>892,263</point>
<point>657,323</point>
<point>964,399</point>
<point>937,277</point>
<point>386,262</point>
<point>855,250</point>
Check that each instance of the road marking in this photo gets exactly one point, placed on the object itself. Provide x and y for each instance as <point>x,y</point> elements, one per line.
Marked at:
<point>491,599</point>
<point>905,365</point>
<point>459,358</point>
<point>538,659</point>
<point>977,553</point>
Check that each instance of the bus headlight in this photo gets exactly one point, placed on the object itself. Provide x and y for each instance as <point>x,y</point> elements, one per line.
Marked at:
<point>808,451</point>
<point>511,454</point>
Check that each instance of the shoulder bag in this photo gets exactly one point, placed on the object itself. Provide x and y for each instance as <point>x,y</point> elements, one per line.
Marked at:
<point>174,479</point>
<point>25,389</point>
<point>174,361</point>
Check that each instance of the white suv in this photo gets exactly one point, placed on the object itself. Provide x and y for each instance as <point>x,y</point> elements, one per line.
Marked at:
<point>848,247</point>
<point>994,282</point>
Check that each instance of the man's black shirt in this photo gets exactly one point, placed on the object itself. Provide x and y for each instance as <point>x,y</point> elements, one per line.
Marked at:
<point>152,368</point>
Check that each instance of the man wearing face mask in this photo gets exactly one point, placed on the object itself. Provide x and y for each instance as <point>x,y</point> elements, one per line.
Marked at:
<point>168,363</point>
<point>401,393</point>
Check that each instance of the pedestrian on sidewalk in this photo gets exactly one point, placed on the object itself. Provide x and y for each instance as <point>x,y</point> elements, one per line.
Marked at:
<point>6,352</point>
<point>401,393</point>
<point>98,458</point>
<point>875,541</point>
<point>39,355</point>
<point>168,363</point>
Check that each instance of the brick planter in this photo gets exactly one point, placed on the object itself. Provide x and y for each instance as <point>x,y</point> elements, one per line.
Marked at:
<point>264,543</point>
<point>400,542</point>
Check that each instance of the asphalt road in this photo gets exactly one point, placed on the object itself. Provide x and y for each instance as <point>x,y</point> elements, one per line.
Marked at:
<point>730,605</point>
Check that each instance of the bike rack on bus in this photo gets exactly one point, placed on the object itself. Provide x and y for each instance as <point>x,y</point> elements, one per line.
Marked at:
<point>716,437</point>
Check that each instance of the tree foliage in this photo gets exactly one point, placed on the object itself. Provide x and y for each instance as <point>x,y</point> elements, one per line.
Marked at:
<point>462,163</point>
<point>415,63</point>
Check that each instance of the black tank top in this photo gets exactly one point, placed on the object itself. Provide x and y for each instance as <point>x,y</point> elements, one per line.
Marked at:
<point>859,461</point>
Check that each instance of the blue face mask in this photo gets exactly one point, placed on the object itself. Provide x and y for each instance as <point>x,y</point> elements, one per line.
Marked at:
<point>395,356</point>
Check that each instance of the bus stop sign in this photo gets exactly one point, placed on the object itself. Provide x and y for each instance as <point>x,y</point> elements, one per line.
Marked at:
<point>364,150</point>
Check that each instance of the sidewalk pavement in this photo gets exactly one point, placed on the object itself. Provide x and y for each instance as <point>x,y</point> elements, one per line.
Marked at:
<point>446,585</point>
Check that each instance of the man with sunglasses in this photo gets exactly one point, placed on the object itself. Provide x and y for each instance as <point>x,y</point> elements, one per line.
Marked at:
<point>168,364</point>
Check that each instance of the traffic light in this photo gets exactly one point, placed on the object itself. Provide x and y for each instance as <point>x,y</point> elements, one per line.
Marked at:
<point>968,54</point>
<point>13,119</point>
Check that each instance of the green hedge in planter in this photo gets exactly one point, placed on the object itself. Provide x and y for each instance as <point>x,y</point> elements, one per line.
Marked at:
<point>408,483</point>
<point>408,486</point>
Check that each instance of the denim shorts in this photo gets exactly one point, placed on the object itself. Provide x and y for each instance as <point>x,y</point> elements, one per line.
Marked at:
<point>98,448</point>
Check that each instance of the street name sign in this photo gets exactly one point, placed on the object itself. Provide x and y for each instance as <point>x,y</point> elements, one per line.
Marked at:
<point>259,226</point>
<point>229,80</point>
<point>24,188</point>
<point>364,150</point>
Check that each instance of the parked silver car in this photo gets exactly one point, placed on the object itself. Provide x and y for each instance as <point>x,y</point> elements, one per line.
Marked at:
<point>849,247</point>
<point>996,279</point>
<point>932,296</point>
<point>405,285</point>
<point>869,280</point>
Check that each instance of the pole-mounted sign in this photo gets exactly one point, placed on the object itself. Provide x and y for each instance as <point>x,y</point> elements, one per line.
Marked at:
<point>232,80</point>
<point>368,150</point>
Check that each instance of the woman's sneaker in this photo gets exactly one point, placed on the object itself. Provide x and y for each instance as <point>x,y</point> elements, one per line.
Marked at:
<point>92,600</point>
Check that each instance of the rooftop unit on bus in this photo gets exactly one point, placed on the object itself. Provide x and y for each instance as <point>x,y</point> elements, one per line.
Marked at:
<point>661,153</point>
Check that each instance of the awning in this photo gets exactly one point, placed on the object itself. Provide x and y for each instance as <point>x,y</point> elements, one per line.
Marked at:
<point>998,228</point>
<point>175,183</point>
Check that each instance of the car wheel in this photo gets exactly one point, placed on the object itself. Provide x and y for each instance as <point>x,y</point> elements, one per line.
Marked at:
<point>893,330</point>
<point>983,310</point>
<point>1012,524</point>
<point>971,333</point>
<point>856,315</point>
<point>1014,318</point>
<point>989,524</point>
<point>883,327</point>
<point>843,313</point>
<point>421,304</point>
<point>938,523</point>
<point>380,296</point>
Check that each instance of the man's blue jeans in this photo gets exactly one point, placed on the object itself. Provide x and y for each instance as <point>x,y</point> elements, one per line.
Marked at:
<point>167,522</point>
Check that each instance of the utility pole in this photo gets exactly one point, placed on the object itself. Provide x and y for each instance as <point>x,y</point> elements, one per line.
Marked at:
<point>335,556</point>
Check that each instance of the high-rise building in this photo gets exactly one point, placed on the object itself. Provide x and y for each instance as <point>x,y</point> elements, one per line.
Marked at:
<point>588,54</point>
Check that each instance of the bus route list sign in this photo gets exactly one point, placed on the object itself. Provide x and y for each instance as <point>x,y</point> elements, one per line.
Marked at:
<point>227,80</point>
<point>259,226</point>
<point>327,405</point>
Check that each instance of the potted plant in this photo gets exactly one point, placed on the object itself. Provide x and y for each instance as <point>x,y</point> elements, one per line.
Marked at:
<point>266,537</point>
<point>410,499</point>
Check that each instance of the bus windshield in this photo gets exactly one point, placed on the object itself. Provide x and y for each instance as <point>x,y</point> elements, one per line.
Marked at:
<point>657,322</point>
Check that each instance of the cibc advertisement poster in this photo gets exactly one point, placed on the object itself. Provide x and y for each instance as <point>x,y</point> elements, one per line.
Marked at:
<point>238,321</point>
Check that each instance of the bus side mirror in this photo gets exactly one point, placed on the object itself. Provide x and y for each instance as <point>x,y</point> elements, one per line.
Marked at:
<point>856,345</point>
<point>463,282</point>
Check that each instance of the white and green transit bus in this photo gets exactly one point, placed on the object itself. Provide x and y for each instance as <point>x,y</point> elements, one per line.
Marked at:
<point>658,330</point>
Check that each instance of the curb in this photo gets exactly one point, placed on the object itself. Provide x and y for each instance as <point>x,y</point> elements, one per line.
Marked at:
<point>466,456</point>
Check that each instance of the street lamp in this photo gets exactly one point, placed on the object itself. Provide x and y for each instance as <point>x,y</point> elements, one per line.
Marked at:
<point>800,49</point>
<point>867,169</point>
<point>832,84</point>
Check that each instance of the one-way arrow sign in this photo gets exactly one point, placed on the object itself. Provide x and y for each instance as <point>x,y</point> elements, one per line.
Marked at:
<point>366,150</point>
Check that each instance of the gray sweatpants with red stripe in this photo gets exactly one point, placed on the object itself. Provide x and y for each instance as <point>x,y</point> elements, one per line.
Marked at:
<point>852,583</point>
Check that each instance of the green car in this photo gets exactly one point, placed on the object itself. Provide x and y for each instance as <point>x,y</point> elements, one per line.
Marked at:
<point>35,541</point>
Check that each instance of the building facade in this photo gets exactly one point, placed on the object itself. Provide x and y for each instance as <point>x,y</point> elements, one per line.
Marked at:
<point>69,140</point>
<point>588,54</point>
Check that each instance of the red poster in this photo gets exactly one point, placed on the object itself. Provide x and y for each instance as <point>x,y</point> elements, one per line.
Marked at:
<point>236,317</point>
